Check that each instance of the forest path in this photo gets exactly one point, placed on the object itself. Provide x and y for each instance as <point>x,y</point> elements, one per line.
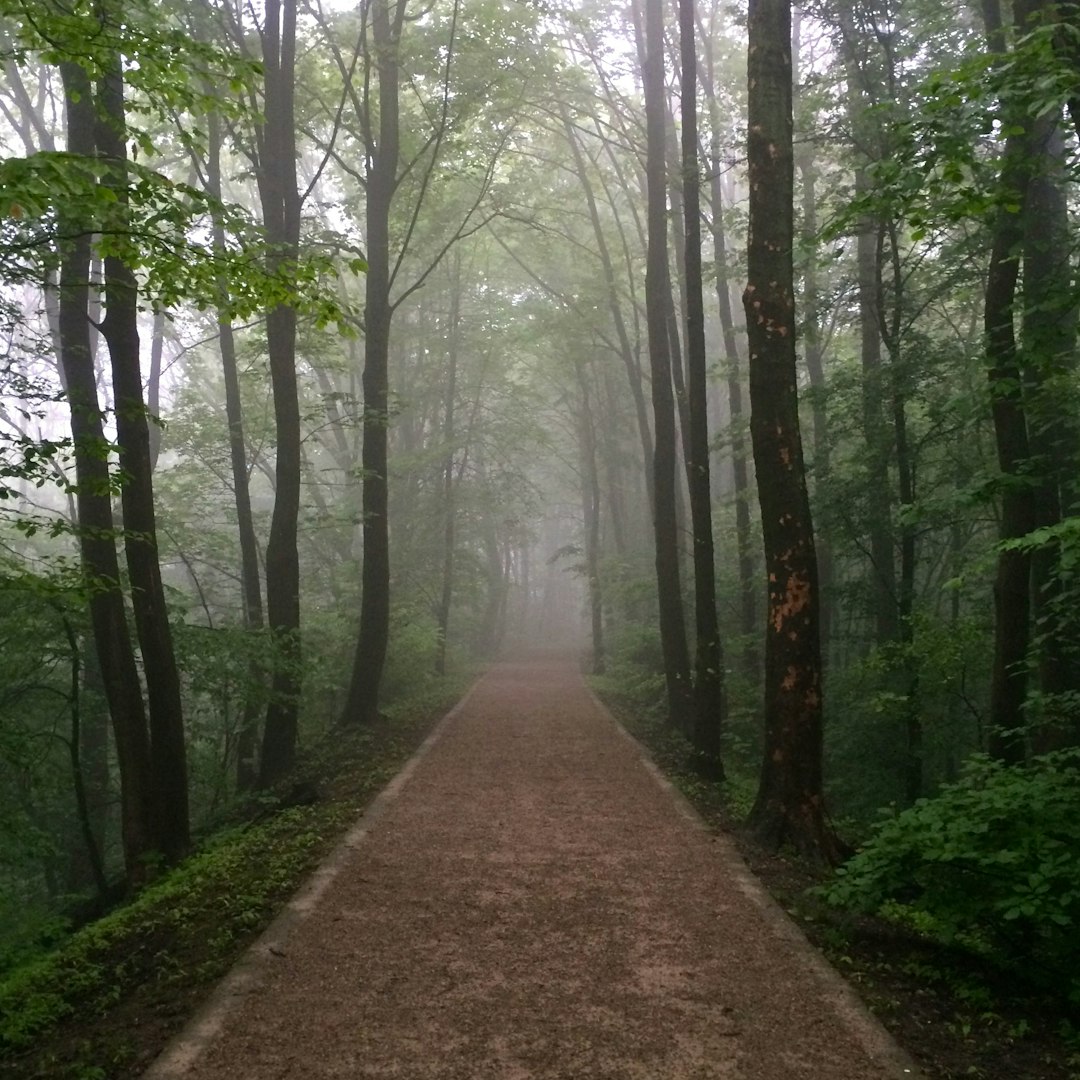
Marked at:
<point>530,902</point>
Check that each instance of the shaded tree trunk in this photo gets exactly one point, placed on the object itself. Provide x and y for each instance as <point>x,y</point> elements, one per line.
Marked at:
<point>1049,369</point>
<point>280,200</point>
<point>247,737</point>
<point>446,593</point>
<point>626,351</point>
<point>790,804</point>
<point>709,704</point>
<point>657,304</point>
<point>362,705</point>
<point>590,509</point>
<point>97,544</point>
<point>813,354</point>
<point>168,753</point>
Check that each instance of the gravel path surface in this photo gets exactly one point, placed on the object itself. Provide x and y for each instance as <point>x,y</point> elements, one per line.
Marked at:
<point>531,903</point>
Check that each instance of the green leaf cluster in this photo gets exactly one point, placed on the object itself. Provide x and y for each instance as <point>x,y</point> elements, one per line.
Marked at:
<point>990,863</point>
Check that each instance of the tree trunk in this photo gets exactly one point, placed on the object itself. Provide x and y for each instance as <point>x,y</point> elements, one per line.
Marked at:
<point>97,544</point>
<point>1049,370</point>
<point>790,803</point>
<point>815,367</point>
<point>709,703</point>
<point>446,592</point>
<point>168,755</point>
<point>657,303</point>
<point>626,351</point>
<point>281,217</point>
<point>362,705</point>
<point>247,738</point>
<point>1012,597</point>
<point>590,509</point>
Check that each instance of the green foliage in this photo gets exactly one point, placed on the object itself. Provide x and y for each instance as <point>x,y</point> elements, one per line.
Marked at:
<point>234,886</point>
<point>990,863</point>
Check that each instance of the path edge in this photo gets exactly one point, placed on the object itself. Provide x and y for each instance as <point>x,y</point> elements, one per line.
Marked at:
<point>871,1033</point>
<point>245,976</point>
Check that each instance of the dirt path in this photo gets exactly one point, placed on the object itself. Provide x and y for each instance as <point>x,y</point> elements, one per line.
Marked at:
<point>532,903</point>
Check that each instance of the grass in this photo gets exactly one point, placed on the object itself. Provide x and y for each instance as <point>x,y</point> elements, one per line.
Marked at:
<point>103,1004</point>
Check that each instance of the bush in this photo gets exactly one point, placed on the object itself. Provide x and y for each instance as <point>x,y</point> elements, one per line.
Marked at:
<point>990,863</point>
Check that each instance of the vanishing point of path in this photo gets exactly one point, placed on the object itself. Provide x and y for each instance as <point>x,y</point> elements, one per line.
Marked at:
<point>530,902</point>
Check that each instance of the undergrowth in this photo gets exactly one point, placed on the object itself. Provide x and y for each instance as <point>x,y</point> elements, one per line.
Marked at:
<point>920,917</point>
<point>101,1005</point>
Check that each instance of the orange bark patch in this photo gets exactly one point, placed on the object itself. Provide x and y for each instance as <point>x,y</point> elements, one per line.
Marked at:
<point>796,598</point>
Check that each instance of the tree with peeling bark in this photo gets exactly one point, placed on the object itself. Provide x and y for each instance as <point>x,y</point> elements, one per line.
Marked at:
<point>790,804</point>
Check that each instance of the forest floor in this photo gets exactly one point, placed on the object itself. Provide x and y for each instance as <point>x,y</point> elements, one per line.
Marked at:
<point>530,899</point>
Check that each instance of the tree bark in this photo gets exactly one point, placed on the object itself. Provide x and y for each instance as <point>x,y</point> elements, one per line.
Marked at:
<point>657,302</point>
<point>446,592</point>
<point>362,705</point>
<point>281,217</point>
<point>97,543</point>
<point>119,328</point>
<point>1049,370</point>
<point>709,703</point>
<point>626,351</point>
<point>790,804</point>
<point>1012,583</point>
<point>590,509</point>
<point>247,766</point>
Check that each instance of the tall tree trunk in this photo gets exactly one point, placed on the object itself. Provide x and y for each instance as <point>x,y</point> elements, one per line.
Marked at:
<point>875,429</point>
<point>709,704</point>
<point>657,304</point>
<point>362,705</point>
<point>790,804</point>
<point>1012,583</point>
<point>247,765</point>
<point>168,754</point>
<point>1049,369</point>
<point>813,353</point>
<point>590,509</point>
<point>281,217</point>
<point>626,351</point>
<point>446,593</point>
<point>97,544</point>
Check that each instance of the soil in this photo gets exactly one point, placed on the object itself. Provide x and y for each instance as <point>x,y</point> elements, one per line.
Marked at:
<point>528,901</point>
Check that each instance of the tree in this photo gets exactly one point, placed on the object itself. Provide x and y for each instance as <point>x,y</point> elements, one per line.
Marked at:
<point>657,302</point>
<point>709,704</point>
<point>119,328</point>
<point>281,203</point>
<point>790,804</point>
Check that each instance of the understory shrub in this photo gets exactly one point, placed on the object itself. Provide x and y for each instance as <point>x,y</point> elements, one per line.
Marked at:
<point>991,863</point>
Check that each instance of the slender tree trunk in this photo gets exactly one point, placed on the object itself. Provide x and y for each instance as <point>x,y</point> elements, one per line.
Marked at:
<point>362,705</point>
<point>168,754</point>
<point>626,351</point>
<point>247,737</point>
<point>97,544</point>
<point>281,216</point>
<point>813,353</point>
<point>446,593</point>
<point>83,811</point>
<point>657,303</point>
<point>709,703</point>
<point>1049,369</point>
<point>790,803</point>
<point>590,508</point>
<point>875,429</point>
<point>1012,584</point>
